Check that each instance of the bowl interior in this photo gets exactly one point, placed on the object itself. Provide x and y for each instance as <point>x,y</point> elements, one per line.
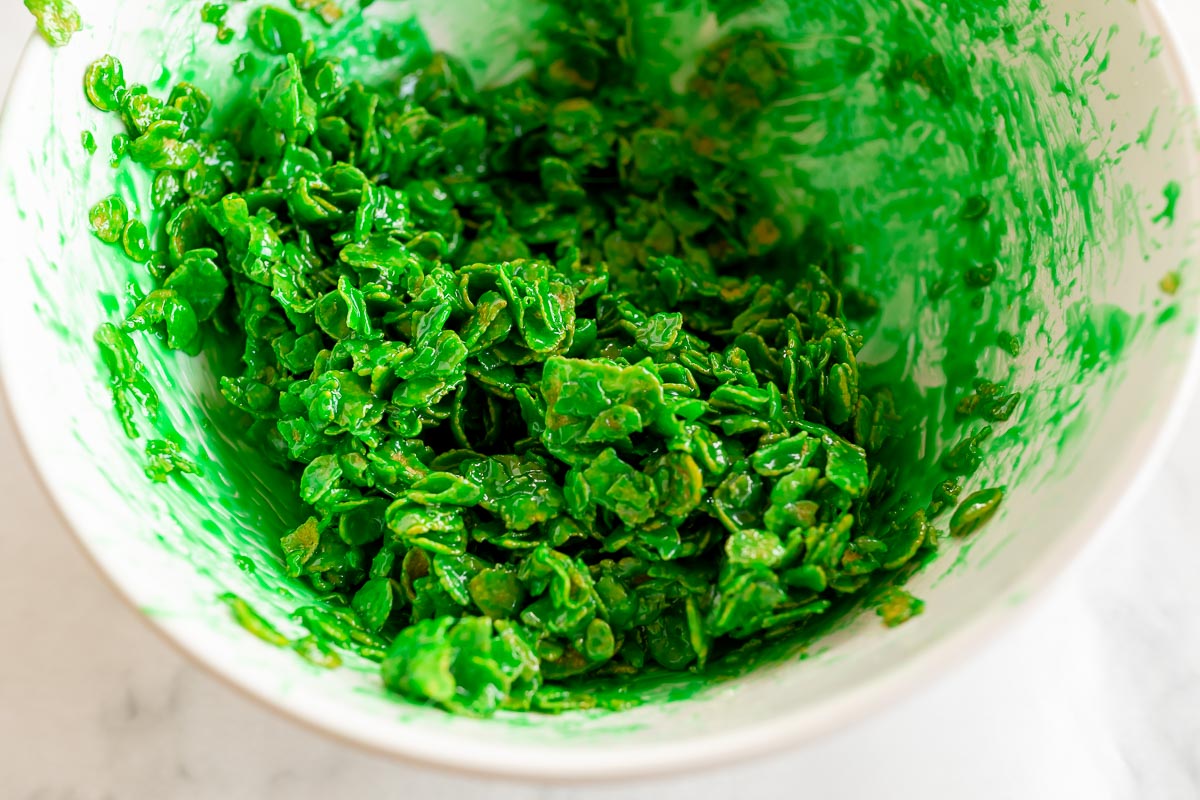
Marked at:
<point>1069,120</point>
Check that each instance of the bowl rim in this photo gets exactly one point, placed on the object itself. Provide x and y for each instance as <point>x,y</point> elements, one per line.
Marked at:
<point>527,762</point>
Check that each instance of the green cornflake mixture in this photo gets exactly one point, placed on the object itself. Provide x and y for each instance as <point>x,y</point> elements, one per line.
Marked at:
<point>560,392</point>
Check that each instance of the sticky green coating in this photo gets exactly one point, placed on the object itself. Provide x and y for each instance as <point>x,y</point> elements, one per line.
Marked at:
<point>560,392</point>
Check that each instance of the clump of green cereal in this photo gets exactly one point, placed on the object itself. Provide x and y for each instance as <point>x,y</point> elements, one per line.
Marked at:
<point>561,392</point>
<point>57,20</point>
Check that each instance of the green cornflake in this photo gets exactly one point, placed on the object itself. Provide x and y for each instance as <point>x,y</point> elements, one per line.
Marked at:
<point>943,496</point>
<point>88,140</point>
<point>135,240</point>
<point>316,652</point>
<point>57,20</point>
<point>975,511</point>
<point>120,146</point>
<point>975,208</point>
<point>980,275</point>
<point>104,83</point>
<point>1009,343</point>
<point>214,14</point>
<point>990,401</point>
<point>127,377</point>
<point>108,218</point>
<point>896,606</point>
<point>164,457</point>
<point>275,31</point>
<point>250,619</point>
<point>546,414</point>
<point>244,64</point>
<point>1169,284</point>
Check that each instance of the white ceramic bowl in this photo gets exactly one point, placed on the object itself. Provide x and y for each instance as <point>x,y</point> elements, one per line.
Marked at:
<point>170,552</point>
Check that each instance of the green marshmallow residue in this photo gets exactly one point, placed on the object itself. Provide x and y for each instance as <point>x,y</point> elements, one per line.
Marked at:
<point>586,377</point>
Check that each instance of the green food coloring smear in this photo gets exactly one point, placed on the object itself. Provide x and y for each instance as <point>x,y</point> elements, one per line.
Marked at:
<point>875,158</point>
<point>1171,193</point>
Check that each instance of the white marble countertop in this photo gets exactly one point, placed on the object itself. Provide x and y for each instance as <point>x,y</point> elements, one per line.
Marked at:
<point>1093,695</point>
